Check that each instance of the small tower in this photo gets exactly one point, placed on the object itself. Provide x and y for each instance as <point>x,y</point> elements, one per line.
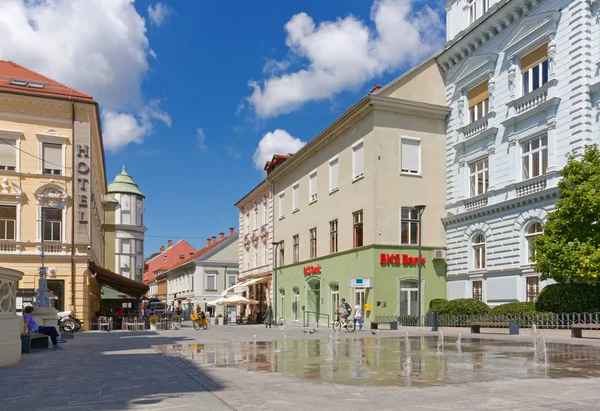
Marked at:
<point>124,235</point>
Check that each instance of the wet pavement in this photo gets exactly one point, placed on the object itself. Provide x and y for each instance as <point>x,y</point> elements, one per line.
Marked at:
<point>223,369</point>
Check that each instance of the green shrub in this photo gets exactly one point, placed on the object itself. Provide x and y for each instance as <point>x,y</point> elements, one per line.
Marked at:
<point>514,308</point>
<point>463,306</point>
<point>568,298</point>
<point>436,303</point>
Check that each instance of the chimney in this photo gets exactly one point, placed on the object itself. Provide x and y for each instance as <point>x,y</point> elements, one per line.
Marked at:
<point>221,236</point>
<point>376,88</point>
<point>208,241</point>
<point>230,230</point>
<point>214,239</point>
<point>162,248</point>
<point>169,243</point>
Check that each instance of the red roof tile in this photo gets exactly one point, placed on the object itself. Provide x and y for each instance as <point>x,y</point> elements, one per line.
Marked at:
<point>167,259</point>
<point>203,251</point>
<point>10,71</point>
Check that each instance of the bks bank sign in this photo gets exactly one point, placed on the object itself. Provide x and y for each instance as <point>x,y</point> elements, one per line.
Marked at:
<point>397,259</point>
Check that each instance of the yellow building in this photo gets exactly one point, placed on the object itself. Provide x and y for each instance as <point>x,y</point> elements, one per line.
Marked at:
<point>51,154</point>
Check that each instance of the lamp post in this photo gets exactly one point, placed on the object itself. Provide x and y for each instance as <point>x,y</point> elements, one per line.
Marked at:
<point>50,192</point>
<point>276,245</point>
<point>420,209</point>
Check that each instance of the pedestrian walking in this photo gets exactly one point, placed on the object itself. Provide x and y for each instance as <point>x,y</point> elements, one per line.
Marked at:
<point>268,317</point>
<point>358,315</point>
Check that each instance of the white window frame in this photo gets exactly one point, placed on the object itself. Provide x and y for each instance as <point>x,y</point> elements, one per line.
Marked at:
<point>529,238</point>
<point>420,156</point>
<point>296,248</point>
<point>334,185</point>
<point>122,242</point>
<point>485,109</point>
<point>529,155</point>
<point>206,277</point>
<point>333,236</point>
<point>413,223</point>
<point>479,250</point>
<point>527,293</point>
<point>313,187</point>
<point>256,216</point>
<point>529,72</point>
<point>483,173</point>
<point>265,210</point>
<point>295,197</point>
<point>63,231</point>
<point>229,277</point>
<point>44,138</point>
<point>16,221</point>
<point>357,176</point>
<point>472,11</point>
<point>281,205</point>
<point>13,139</point>
<point>473,295</point>
<point>313,242</point>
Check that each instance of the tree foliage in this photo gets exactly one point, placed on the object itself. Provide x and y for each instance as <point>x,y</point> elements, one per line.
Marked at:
<point>569,248</point>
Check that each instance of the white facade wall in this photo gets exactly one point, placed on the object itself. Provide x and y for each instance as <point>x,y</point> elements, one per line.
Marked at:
<point>256,233</point>
<point>561,110</point>
<point>129,220</point>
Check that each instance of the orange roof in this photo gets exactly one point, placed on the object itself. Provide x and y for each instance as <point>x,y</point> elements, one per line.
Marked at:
<point>203,251</point>
<point>167,259</point>
<point>14,77</point>
<point>277,160</point>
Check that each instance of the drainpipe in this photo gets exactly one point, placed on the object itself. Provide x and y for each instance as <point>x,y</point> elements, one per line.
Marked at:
<point>73,208</point>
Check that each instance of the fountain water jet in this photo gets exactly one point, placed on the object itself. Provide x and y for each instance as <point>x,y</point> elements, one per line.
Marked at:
<point>459,342</point>
<point>329,351</point>
<point>407,342</point>
<point>407,367</point>
<point>440,343</point>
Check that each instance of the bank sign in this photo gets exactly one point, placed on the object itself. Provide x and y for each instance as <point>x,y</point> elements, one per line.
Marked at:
<point>312,269</point>
<point>397,259</point>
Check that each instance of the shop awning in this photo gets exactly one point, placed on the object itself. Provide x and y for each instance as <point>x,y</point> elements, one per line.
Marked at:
<point>240,287</point>
<point>118,282</point>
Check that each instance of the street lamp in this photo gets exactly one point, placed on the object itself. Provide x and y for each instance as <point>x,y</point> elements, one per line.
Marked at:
<point>420,209</point>
<point>52,191</point>
<point>276,245</point>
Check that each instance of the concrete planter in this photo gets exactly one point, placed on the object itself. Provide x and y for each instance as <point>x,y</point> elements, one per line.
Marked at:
<point>11,325</point>
<point>152,327</point>
<point>221,320</point>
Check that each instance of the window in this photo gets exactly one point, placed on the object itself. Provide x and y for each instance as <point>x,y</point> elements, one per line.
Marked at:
<point>256,217</point>
<point>53,224</point>
<point>256,260</point>
<point>533,230</point>
<point>8,155</point>
<point>125,272</point>
<point>333,236</point>
<point>479,177</point>
<point>334,175</point>
<point>295,197</point>
<point>248,223</point>
<point>409,225</point>
<point>479,252</point>
<point>139,247</point>
<point>410,160</point>
<point>358,168</point>
<point>533,288</point>
<point>534,69</point>
<point>139,215</point>
<point>535,157</point>
<point>472,11</point>
<point>211,282</point>
<point>313,242</point>
<point>358,228</point>
<point>312,187</point>
<point>138,275</point>
<point>296,248</point>
<point>52,159</point>
<point>281,205</point>
<point>125,249</point>
<point>231,280</point>
<point>485,5</point>
<point>281,254</point>
<point>265,209</point>
<point>8,222</point>
<point>478,102</point>
<point>477,289</point>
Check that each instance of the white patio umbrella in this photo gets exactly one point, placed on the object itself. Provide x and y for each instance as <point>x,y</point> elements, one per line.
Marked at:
<point>233,300</point>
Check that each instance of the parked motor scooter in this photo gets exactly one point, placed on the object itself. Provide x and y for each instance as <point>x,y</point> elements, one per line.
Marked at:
<point>68,322</point>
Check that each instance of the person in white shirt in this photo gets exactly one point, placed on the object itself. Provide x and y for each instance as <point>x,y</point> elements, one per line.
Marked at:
<point>358,315</point>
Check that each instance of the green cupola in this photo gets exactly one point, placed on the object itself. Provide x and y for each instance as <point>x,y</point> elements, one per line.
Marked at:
<point>123,183</point>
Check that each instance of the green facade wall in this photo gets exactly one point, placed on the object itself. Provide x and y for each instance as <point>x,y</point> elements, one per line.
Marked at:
<point>363,262</point>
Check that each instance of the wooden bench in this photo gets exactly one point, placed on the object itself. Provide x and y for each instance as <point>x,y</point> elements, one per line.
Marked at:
<point>576,329</point>
<point>476,327</point>
<point>29,341</point>
<point>393,324</point>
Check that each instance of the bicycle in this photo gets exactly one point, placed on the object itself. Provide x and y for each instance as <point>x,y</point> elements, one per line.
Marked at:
<point>349,326</point>
<point>198,323</point>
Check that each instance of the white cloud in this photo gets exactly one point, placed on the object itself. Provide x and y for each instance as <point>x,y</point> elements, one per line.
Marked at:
<point>96,46</point>
<point>158,13</point>
<point>346,53</point>
<point>200,139</point>
<point>275,142</point>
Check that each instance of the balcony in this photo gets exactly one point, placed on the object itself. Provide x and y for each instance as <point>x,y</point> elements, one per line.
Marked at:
<point>476,202</point>
<point>10,247</point>
<point>531,186</point>
<point>537,101</point>
<point>476,131</point>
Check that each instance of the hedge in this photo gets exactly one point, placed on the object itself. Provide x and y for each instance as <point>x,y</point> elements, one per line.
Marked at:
<point>568,298</point>
<point>463,306</point>
<point>514,308</point>
<point>436,303</point>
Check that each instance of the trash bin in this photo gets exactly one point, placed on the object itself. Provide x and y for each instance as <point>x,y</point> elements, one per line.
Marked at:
<point>513,328</point>
<point>393,325</point>
<point>433,320</point>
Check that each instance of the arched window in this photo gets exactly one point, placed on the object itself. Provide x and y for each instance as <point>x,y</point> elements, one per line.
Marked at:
<point>479,251</point>
<point>532,231</point>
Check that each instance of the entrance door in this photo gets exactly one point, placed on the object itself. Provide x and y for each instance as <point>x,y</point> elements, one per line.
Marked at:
<point>408,298</point>
<point>335,298</point>
<point>314,296</point>
<point>296,305</point>
<point>281,308</point>
<point>359,295</point>
<point>56,289</point>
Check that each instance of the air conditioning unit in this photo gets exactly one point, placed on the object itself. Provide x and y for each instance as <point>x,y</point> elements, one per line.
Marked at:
<point>438,254</point>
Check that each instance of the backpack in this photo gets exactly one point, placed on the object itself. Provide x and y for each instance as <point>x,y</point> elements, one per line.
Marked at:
<point>348,308</point>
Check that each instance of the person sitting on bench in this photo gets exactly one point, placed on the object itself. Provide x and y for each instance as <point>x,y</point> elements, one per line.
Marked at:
<point>32,326</point>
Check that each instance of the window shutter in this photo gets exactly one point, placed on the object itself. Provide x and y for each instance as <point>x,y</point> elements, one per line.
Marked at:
<point>358,160</point>
<point>281,204</point>
<point>478,94</point>
<point>8,154</point>
<point>334,175</point>
<point>313,186</point>
<point>534,58</point>
<point>8,213</point>
<point>295,197</point>
<point>410,156</point>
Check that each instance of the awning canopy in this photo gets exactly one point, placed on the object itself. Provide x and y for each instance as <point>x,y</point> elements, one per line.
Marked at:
<point>241,286</point>
<point>118,282</point>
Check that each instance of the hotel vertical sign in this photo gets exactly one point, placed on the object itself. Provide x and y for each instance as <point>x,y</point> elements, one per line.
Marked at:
<point>82,174</point>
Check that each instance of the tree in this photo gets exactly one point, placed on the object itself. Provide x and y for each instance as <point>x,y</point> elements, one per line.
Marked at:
<point>569,248</point>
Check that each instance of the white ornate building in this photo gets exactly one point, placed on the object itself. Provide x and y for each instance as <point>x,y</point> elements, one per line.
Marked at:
<point>522,79</point>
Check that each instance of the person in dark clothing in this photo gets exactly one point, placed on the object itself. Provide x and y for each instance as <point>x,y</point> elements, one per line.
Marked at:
<point>268,317</point>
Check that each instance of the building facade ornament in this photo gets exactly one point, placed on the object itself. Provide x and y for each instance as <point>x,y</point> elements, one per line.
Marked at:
<point>461,106</point>
<point>491,89</point>
<point>512,76</point>
<point>551,56</point>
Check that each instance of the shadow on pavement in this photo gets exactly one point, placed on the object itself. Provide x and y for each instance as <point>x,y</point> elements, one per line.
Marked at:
<point>105,371</point>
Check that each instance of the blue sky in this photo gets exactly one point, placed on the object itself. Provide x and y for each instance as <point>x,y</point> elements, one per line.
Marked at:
<point>174,81</point>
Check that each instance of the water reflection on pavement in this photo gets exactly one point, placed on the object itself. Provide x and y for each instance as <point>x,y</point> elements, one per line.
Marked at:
<point>362,361</point>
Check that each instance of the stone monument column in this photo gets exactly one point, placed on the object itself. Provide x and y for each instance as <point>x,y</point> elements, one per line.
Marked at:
<point>11,324</point>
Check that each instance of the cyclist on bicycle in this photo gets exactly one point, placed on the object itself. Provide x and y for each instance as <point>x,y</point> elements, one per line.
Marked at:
<point>344,311</point>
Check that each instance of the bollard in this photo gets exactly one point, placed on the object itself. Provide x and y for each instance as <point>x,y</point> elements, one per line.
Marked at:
<point>513,328</point>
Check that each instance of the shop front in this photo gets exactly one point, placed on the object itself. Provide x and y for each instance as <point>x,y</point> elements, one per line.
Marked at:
<point>382,280</point>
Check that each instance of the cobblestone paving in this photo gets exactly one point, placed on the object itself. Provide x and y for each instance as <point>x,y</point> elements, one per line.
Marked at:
<point>120,370</point>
